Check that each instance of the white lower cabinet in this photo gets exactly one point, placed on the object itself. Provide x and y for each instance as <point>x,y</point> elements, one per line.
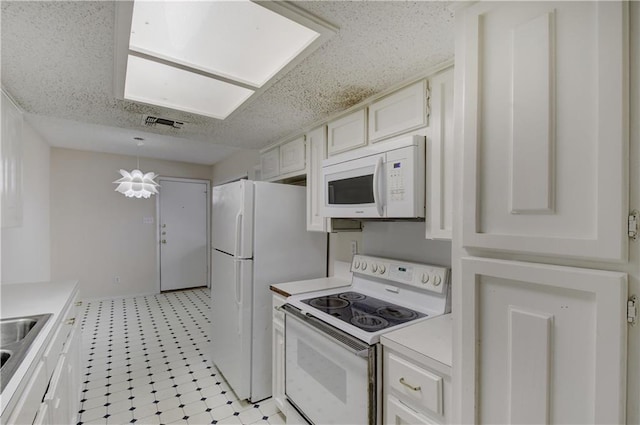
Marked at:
<point>27,406</point>
<point>278,354</point>
<point>414,392</point>
<point>52,395</point>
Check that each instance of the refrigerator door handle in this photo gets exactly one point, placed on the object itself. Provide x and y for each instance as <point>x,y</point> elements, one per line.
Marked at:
<point>238,250</point>
<point>238,293</point>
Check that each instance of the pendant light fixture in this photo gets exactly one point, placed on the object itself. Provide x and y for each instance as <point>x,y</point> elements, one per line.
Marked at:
<point>136,184</point>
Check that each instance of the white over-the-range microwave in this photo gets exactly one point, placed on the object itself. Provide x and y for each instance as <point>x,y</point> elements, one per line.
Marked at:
<point>384,180</point>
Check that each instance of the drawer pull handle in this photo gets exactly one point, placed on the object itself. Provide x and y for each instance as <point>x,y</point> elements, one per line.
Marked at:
<point>71,321</point>
<point>411,387</point>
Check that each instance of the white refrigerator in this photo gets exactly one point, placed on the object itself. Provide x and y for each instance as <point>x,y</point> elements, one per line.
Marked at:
<point>259,238</point>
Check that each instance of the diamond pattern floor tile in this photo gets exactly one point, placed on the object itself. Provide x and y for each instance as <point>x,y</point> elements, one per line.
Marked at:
<point>145,362</point>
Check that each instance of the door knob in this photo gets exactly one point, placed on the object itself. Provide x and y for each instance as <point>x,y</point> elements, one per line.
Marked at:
<point>164,241</point>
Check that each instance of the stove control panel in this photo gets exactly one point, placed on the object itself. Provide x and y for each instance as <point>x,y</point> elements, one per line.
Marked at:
<point>432,278</point>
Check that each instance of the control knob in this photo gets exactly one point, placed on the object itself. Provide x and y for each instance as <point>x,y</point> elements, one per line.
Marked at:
<point>374,267</point>
<point>356,264</point>
<point>425,278</point>
<point>436,280</point>
<point>364,265</point>
<point>382,269</point>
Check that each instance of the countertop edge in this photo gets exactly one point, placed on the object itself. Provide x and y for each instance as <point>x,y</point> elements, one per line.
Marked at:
<point>20,379</point>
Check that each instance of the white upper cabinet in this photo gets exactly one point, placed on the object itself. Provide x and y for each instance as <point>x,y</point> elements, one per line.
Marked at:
<point>399,112</point>
<point>283,161</point>
<point>292,156</point>
<point>545,127</point>
<point>346,133</point>
<point>439,173</point>
<point>11,177</point>
<point>270,164</point>
<point>316,152</point>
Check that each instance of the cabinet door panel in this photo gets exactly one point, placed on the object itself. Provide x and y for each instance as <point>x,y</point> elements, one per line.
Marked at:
<point>399,112</point>
<point>25,410</point>
<point>439,173</point>
<point>545,342</point>
<point>316,152</point>
<point>292,156</point>
<point>58,393</point>
<point>545,117</point>
<point>270,164</point>
<point>347,133</point>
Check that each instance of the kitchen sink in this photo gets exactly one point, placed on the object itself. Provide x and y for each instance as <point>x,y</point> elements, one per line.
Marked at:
<point>4,356</point>
<point>16,336</point>
<point>15,330</point>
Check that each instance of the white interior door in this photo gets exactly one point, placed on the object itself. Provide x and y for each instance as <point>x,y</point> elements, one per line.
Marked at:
<point>183,234</point>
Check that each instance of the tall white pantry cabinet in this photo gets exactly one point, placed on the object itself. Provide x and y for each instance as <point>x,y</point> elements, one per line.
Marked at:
<point>544,92</point>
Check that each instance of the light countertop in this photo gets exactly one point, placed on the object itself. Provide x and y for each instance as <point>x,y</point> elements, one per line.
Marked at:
<point>301,286</point>
<point>28,299</point>
<point>430,338</point>
<point>342,277</point>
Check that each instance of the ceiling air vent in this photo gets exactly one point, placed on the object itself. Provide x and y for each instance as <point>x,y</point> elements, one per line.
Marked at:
<point>151,121</point>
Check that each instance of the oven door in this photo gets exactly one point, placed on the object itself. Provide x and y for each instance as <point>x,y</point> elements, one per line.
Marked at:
<point>354,188</point>
<point>329,375</point>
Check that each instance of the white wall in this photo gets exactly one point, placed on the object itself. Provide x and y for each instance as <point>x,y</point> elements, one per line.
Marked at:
<point>98,233</point>
<point>26,249</point>
<point>404,240</point>
<point>235,166</point>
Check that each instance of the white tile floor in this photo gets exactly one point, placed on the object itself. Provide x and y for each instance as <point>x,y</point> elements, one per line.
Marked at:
<point>146,363</point>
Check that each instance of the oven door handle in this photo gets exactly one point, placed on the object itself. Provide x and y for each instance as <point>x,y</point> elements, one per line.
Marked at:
<point>354,345</point>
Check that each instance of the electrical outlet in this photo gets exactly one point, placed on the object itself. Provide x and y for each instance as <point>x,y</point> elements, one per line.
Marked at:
<point>354,247</point>
<point>116,280</point>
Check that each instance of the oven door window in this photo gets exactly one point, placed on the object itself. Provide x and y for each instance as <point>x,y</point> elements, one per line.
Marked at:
<point>351,191</point>
<point>324,379</point>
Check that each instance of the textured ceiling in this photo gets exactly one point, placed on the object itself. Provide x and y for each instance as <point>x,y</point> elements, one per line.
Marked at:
<point>57,63</point>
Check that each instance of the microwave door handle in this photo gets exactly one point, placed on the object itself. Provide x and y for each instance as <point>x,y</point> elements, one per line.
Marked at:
<point>377,196</point>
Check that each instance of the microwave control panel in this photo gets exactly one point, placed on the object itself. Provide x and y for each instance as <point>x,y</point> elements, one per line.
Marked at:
<point>404,186</point>
<point>395,179</point>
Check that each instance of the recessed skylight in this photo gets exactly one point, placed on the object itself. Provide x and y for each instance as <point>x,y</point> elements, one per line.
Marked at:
<point>208,57</point>
<point>240,40</point>
<point>159,84</point>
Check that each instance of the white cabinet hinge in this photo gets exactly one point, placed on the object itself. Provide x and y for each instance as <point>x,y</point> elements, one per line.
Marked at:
<point>634,221</point>
<point>632,310</point>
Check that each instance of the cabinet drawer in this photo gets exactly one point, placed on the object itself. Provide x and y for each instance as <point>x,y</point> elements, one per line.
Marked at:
<point>397,413</point>
<point>415,384</point>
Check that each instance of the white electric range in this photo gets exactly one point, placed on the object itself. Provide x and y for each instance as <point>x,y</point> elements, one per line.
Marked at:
<point>332,366</point>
